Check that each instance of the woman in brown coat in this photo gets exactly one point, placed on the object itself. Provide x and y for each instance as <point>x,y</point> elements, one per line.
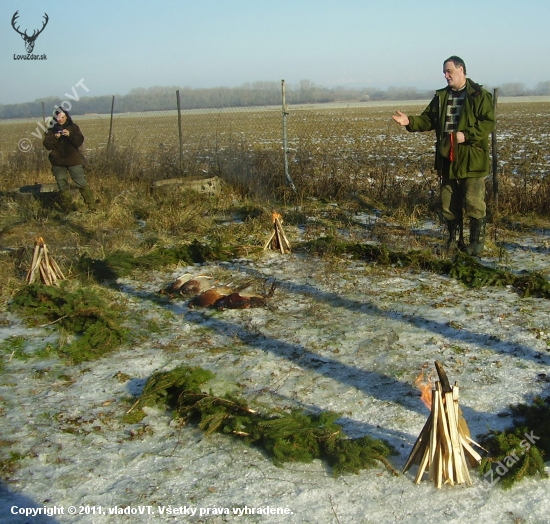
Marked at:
<point>63,141</point>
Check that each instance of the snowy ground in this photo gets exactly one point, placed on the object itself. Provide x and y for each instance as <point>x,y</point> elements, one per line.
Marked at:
<point>338,335</point>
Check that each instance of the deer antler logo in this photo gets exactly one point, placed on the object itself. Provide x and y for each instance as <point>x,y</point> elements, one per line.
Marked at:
<point>29,40</point>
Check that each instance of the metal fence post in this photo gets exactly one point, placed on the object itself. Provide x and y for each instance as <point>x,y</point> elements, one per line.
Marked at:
<point>285,148</point>
<point>111,125</point>
<point>179,129</point>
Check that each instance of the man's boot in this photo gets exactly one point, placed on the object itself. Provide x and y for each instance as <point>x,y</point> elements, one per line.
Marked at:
<point>456,240</point>
<point>88,197</point>
<point>477,236</point>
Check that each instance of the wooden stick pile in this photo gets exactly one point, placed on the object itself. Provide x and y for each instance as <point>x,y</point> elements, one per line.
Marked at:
<point>444,447</point>
<point>44,265</point>
<point>278,240</point>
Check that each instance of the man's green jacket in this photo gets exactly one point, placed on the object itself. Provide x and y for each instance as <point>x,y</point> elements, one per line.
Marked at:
<point>477,120</point>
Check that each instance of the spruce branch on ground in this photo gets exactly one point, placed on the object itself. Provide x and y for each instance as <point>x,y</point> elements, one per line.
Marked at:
<point>519,451</point>
<point>295,436</point>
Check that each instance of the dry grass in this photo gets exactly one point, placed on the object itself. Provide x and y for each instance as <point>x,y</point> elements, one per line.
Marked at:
<point>356,158</point>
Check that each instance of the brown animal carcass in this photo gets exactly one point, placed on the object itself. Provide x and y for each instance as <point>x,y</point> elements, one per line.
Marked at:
<point>244,301</point>
<point>188,285</point>
<point>209,297</point>
<point>206,299</point>
<point>225,298</point>
<point>196,285</point>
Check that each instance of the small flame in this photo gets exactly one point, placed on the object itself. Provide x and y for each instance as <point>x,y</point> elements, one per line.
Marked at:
<point>425,387</point>
<point>275,216</point>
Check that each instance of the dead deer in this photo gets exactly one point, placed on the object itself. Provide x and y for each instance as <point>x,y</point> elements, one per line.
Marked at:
<point>189,285</point>
<point>244,301</point>
<point>208,298</point>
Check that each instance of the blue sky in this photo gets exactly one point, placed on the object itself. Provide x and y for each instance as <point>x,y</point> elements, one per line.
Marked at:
<point>118,45</point>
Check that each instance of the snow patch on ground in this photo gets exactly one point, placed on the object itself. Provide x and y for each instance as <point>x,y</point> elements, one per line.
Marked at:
<point>338,335</point>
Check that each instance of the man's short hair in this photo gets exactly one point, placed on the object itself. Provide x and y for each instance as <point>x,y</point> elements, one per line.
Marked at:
<point>457,61</point>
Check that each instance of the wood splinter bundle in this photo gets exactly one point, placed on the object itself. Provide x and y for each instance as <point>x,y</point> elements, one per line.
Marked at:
<point>278,240</point>
<point>444,447</point>
<point>44,265</point>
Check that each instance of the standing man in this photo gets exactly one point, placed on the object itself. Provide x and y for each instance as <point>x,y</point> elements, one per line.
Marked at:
<point>462,115</point>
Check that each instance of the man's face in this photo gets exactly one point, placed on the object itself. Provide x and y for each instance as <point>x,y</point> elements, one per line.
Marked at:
<point>454,75</point>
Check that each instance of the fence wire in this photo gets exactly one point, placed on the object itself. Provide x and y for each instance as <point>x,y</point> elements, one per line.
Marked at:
<point>330,148</point>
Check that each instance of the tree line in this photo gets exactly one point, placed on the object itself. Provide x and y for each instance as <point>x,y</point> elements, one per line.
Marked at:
<point>247,95</point>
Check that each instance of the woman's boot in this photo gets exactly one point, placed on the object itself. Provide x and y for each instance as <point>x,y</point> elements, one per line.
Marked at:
<point>88,197</point>
<point>66,201</point>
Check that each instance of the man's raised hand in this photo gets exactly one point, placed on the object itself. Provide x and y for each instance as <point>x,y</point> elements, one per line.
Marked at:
<point>401,118</point>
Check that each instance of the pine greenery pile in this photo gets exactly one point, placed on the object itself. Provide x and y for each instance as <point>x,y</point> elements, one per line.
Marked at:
<point>122,263</point>
<point>295,436</point>
<point>519,451</point>
<point>462,267</point>
<point>87,319</point>
<point>534,284</point>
